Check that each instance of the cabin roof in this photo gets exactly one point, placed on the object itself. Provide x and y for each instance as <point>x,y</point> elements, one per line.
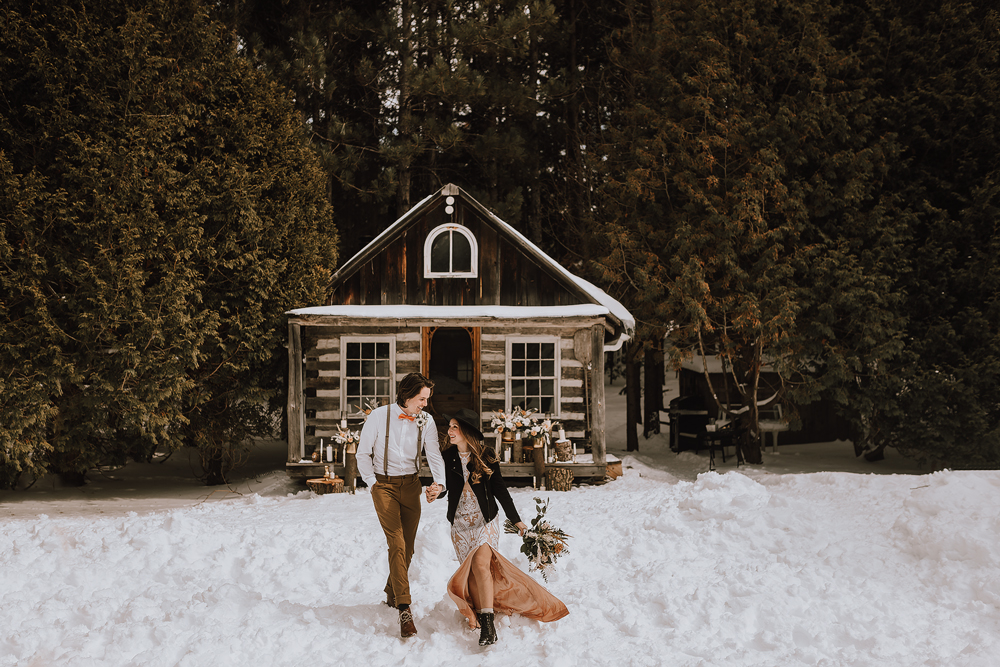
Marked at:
<point>613,309</point>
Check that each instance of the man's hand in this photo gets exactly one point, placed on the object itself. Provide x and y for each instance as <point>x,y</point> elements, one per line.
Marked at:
<point>432,492</point>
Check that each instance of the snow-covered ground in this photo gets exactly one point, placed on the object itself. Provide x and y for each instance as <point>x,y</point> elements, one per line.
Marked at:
<point>810,559</point>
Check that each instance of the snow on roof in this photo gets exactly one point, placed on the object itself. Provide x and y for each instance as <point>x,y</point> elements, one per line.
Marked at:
<point>412,312</point>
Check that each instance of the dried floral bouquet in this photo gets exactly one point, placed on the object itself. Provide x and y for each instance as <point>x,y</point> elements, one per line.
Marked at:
<point>543,543</point>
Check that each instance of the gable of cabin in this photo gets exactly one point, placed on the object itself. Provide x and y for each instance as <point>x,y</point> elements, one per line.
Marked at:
<point>503,271</point>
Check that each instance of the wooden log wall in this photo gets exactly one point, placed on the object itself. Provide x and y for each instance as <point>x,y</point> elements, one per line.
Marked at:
<point>316,414</point>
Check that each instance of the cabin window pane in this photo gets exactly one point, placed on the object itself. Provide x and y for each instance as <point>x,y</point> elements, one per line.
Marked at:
<point>461,254</point>
<point>441,253</point>
<point>464,370</point>
<point>533,375</point>
<point>367,374</point>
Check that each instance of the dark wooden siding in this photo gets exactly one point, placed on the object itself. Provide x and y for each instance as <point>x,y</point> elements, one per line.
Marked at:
<point>507,274</point>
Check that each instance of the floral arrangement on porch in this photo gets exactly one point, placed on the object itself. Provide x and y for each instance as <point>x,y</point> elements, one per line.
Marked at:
<point>543,543</point>
<point>527,423</point>
<point>347,437</point>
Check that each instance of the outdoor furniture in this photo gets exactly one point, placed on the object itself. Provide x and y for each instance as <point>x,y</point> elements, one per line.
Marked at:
<point>720,435</point>
<point>688,417</point>
<point>772,426</point>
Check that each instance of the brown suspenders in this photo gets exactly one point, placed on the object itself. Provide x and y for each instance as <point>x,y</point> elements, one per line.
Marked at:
<point>385,457</point>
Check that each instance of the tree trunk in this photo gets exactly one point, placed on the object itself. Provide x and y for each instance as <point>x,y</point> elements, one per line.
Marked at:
<point>405,112</point>
<point>215,467</point>
<point>750,445</point>
<point>633,395</point>
<point>653,389</point>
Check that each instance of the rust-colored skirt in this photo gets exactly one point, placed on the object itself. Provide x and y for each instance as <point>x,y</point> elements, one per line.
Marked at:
<point>514,592</point>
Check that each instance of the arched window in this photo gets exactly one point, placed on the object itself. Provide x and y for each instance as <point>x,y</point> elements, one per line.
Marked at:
<point>451,251</point>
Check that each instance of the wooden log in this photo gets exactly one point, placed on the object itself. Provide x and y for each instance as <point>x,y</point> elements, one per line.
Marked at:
<point>296,412</point>
<point>564,450</point>
<point>323,485</point>
<point>351,471</point>
<point>559,479</point>
<point>539,453</point>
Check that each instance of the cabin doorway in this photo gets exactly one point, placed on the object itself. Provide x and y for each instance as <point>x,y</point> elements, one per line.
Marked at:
<point>451,361</point>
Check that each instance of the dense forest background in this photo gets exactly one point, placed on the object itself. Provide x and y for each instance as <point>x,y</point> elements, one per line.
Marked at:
<point>811,184</point>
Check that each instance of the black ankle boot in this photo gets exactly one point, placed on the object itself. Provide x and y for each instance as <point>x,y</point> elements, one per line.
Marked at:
<point>487,631</point>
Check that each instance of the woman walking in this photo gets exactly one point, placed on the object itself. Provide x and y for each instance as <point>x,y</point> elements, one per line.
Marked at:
<point>485,583</point>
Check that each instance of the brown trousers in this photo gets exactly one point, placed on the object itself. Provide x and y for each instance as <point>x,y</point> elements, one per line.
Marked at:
<point>397,504</point>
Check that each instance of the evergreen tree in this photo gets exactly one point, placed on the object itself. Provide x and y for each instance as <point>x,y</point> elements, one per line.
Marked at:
<point>731,153</point>
<point>939,79</point>
<point>161,212</point>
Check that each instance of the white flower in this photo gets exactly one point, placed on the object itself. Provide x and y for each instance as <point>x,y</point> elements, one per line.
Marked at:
<point>421,419</point>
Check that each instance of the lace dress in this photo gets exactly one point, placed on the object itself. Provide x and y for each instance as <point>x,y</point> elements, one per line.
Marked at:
<point>514,592</point>
<point>469,530</point>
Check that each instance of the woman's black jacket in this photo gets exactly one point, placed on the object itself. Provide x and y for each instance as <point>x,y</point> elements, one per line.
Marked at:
<point>488,491</point>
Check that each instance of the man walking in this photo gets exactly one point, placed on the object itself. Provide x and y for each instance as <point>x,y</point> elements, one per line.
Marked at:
<point>389,463</point>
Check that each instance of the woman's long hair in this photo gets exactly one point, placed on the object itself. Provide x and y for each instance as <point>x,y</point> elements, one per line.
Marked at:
<point>482,456</point>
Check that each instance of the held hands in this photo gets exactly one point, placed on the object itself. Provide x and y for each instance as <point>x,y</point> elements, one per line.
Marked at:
<point>432,491</point>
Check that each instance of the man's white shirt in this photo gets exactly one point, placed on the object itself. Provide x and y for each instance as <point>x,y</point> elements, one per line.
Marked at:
<point>402,446</point>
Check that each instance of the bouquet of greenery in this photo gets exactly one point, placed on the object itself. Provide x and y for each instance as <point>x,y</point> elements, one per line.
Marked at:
<point>543,542</point>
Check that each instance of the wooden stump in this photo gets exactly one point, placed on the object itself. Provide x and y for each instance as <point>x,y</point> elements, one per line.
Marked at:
<point>516,452</point>
<point>539,459</point>
<point>564,450</point>
<point>559,479</point>
<point>351,471</point>
<point>322,485</point>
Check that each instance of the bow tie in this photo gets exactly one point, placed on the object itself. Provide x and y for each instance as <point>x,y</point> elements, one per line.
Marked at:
<point>403,415</point>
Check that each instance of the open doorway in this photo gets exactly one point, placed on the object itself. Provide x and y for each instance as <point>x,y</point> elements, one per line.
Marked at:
<point>451,360</point>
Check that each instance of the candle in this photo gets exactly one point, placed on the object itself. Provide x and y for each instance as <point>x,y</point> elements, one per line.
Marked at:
<point>562,434</point>
<point>329,453</point>
<point>506,456</point>
<point>343,423</point>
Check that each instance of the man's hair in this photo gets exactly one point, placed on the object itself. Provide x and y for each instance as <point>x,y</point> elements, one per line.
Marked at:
<point>410,386</point>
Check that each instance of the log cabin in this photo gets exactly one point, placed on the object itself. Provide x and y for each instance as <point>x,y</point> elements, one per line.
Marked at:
<point>454,292</point>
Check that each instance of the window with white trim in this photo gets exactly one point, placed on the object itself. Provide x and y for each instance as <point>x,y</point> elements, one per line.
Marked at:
<point>367,368</point>
<point>533,373</point>
<point>451,251</point>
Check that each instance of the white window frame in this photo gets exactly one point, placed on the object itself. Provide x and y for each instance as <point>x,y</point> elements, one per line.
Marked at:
<point>555,340</point>
<point>391,377</point>
<point>473,245</point>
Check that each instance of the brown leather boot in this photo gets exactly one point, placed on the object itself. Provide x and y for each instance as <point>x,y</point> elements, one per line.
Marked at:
<point>406,626</point>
